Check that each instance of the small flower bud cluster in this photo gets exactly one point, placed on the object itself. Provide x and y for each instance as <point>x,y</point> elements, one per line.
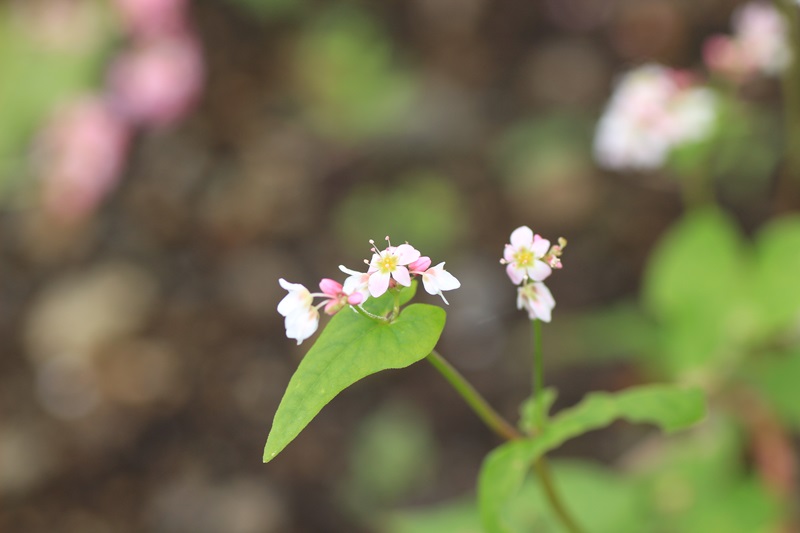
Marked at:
<point>395,265</point>
<point>529,260</point>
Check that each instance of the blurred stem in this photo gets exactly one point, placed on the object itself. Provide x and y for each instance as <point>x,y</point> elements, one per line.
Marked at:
<point>479,405</point>
<point>363,312</point>
<point>501,427</point>
<point>543,471</point>
<point>538,375</point>
<point>791,91</point>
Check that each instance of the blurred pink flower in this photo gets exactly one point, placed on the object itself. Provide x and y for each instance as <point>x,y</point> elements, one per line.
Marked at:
<point>758,44</point>
<point>653,110</point>
<point>525,255</point>
<point>149,18</point>
<point>79,156</point>
<point>157,82</point>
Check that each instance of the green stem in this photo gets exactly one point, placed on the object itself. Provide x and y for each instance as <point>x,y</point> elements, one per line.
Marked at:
<point>363,312</point>
<point>538,375</point>
<point>543,471</point>
<point>479,405</point>
<point>791,91</point>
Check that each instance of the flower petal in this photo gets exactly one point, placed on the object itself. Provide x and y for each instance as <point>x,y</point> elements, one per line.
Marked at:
<point>406,254</point>
<point>522,236</point>
<point>539,271</point>
<point>540,246</point>
<point>401,276</point>
<point>515,274</point>
<point>378,283</point>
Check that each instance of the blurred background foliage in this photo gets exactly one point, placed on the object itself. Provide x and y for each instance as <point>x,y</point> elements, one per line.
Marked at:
<point>143,358</point>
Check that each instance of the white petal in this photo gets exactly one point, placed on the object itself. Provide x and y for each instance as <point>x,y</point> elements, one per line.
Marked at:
<point>516,274</point>
<point>540,246</point>
<point>444,279</point>
<point>406,254</point>
<point>401,276</point>
<point>539,271</point>
<point>522,236</point>
<point>378,283</point>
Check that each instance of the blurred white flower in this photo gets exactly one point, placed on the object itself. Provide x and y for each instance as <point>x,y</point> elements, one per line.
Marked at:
<point>537,300</point>
<point>759,43</point>
<point>653,110</point>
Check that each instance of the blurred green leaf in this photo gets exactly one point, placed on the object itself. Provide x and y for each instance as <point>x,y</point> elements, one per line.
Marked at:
<point>408,211</point>
<point>532,406</point>
<point>776,376</point>
<point>393,453</point>
<point>350,348</point>
<point>36,76</point>
<point>504,470</point>
<point>347,70</point>
<point>696,284</point>
<point>451,517</point>
<point>777,289</point>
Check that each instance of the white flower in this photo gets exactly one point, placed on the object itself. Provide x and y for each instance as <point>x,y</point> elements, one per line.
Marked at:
<point>390,263</point>
<point>436,279</point>
<point>302,324</point>
<point>302,318</point>
<point>525,256</point>
<point>537,300</point>
<point>653,110</point>
<point>356,283</point>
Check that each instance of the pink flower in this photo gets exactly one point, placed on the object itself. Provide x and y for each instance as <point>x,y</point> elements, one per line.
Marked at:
<point>524,256</point>
<point>337,297</point>
<point>157,82</point>
<point>537,300</point>
<point>437,279</point>
<point>80,156</point>
<point>390,264</point>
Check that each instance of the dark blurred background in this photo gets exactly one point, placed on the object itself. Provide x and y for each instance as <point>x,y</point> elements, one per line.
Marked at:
<point>142,354</point>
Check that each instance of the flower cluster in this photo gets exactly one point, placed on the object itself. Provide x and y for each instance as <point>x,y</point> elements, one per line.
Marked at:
<point>653,110</point>
<point>388,268</point>
<point>529,260</point>
<point>759,44</point>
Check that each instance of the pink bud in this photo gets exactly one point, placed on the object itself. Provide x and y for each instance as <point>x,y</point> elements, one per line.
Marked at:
<point>420,265</point>
<point>355,298</point>
<point>330,287</point>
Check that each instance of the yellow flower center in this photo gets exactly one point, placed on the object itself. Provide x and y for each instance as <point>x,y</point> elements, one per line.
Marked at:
<point>387,263</point>
<point>524,258</point>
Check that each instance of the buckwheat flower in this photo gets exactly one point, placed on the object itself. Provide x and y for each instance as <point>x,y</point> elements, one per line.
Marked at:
<point>390,264</point>
<point>537,300</point>
<point>524,256</point>
<point>356,283</point>
<point>420,265</point>
<point>302,324</point>
<point>436,279</point>
<point>302,318</point>
<point>653,110</point>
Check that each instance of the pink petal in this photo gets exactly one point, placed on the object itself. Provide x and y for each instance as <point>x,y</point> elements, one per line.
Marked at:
<point>401,275</point>
<point>522,236</point>
<point>330,287</point>
<point>378,283</point>
<point>508,253</point>
<point>420,265</point>
<point>406,254</point>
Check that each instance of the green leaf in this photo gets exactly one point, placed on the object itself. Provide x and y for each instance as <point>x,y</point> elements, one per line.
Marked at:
<point>697,286</point>
<point>504,470</point>
<point>777,266</point>
<point>532,406</point>
<point>350,348</point>
<point>776,376</point>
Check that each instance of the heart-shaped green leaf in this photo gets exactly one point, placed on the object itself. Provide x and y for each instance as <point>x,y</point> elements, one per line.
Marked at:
<point>350,348</point>
<point>504,470</point>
